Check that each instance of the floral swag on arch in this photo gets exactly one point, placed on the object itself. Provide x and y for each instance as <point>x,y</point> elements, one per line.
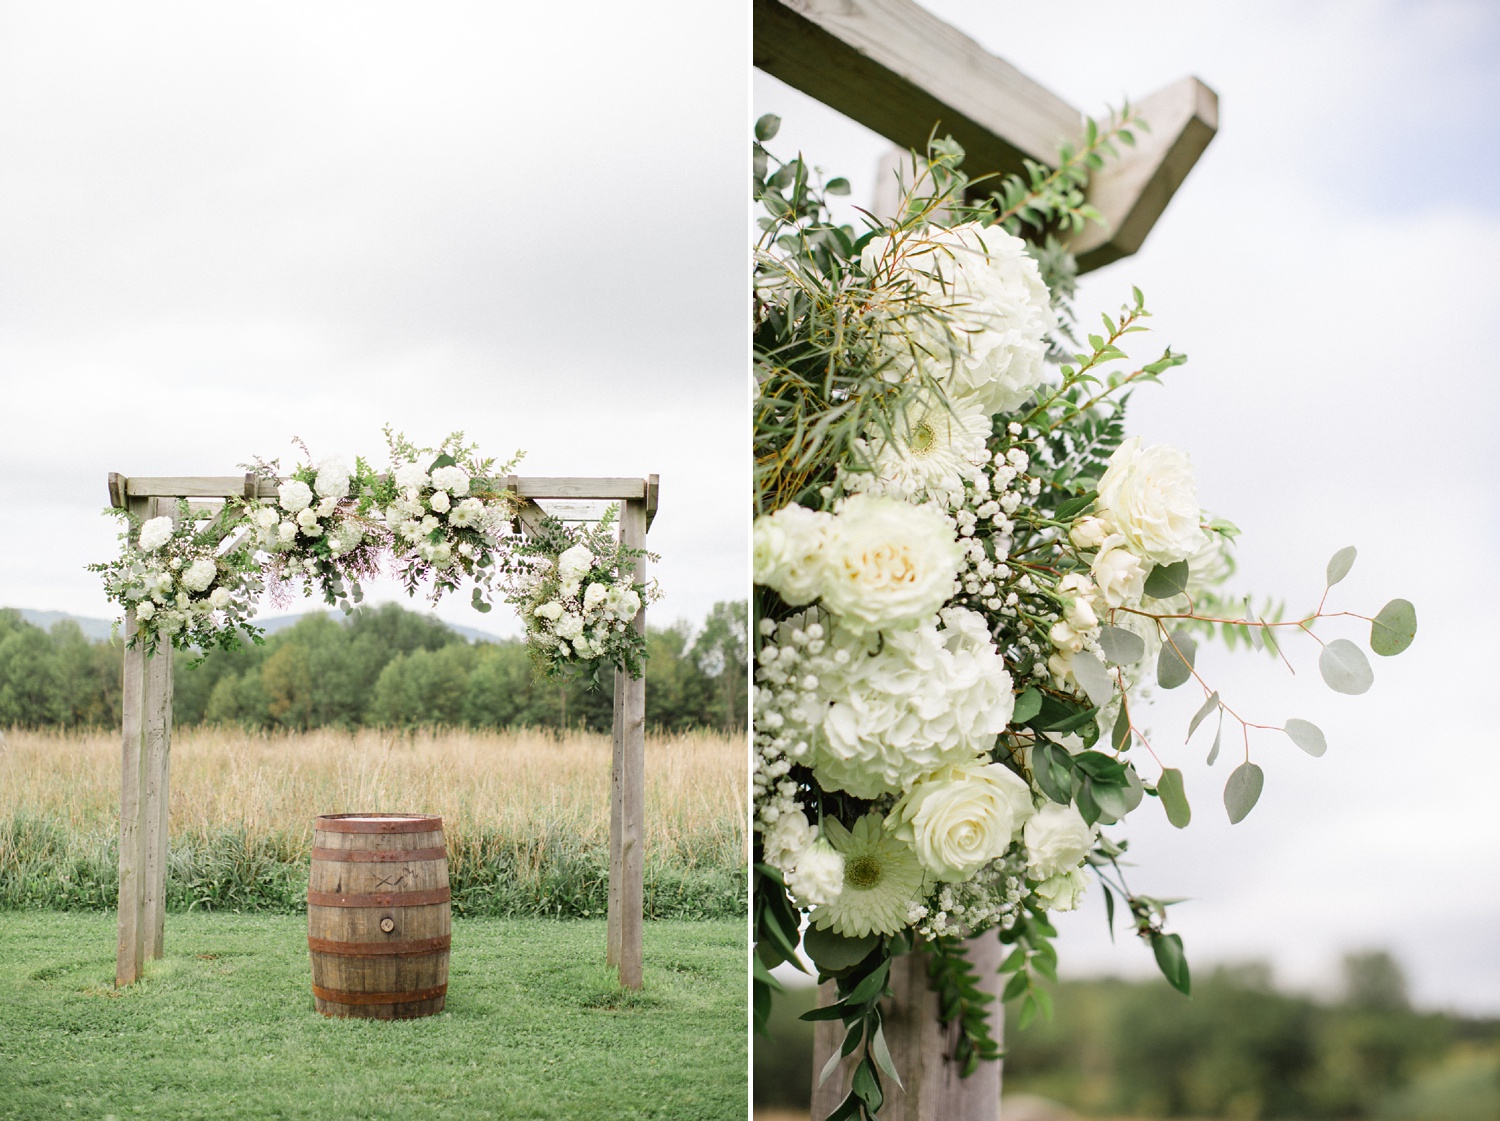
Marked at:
<point>966,575</point>
<point>439,516</point>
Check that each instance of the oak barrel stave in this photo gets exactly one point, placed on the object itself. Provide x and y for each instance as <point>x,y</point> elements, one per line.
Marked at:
<point>363,866</point>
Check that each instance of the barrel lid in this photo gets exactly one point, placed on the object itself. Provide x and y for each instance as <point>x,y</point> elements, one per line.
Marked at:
<point>378,823</point>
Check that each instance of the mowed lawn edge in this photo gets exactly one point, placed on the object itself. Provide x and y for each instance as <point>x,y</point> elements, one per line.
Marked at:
<point>223,1027</point>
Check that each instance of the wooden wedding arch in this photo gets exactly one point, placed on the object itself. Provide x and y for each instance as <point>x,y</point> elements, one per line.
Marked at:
<point>899,70</point>
<point>147,720</point>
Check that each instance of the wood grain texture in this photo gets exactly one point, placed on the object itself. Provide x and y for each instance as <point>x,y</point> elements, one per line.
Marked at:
<point>235,486</point>
<point>388,960</point>
<point>132,858</point>
<point>920,1047</point>
<point>632,776</point>
<point>899,70</point>
<point>156,769</point>
<point>1133,191</point>
<point>616,868</point>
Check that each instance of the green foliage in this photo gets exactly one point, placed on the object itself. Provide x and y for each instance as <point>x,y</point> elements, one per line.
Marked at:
<point>379,666</point>
<point>961,1002</point>
<point>47,864</point>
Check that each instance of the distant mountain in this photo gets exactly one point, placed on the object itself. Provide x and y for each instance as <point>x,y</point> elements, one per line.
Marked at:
<point>97,630</point>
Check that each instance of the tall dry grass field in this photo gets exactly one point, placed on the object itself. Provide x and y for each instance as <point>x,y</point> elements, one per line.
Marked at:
<point>518,801</point>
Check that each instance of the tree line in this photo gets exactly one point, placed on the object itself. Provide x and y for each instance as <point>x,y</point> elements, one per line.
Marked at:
<point>383,666</point>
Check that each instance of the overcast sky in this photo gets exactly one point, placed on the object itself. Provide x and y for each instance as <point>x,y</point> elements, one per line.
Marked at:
<point>1330,267</point>
<point>222,226</point>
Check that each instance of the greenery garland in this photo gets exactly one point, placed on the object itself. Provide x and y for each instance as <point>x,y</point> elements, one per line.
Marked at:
<point>442,518</point>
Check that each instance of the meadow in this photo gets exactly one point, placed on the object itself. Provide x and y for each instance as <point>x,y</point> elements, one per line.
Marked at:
<point>526,815</point>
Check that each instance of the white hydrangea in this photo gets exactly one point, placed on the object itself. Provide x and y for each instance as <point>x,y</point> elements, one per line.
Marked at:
<point>994,346</point>
<point>1147,496</point>
<point>199,575</point>
<point>786,840</point>
<point>411,476</point>
<point>574,564</point>
<point>931,696</point>
<point>887,564</point>
<point>294,495</point>
<point>156,533</point>
<point>453,479</point>
<point>570,626</point>
<point>332,480</point>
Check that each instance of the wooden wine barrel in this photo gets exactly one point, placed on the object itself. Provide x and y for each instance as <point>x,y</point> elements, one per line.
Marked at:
<point>378,917</point>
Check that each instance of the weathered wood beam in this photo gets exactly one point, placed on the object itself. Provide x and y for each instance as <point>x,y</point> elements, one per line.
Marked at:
<point>1133,191</point>
<point>237,486</point>
<point>899,70</point>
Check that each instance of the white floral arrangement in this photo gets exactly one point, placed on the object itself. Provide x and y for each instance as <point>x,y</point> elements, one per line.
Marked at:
<point>965,572</point>
<point>188,579</point>
<point>577,594</point>
<point>440,515</point>
<point>447,520</point>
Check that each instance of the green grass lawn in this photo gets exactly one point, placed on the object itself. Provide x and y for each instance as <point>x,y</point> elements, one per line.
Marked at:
<point>223,1026</point>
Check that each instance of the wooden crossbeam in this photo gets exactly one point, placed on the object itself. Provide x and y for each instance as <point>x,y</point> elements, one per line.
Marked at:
<point>901,71</point>
<point>247,486</point>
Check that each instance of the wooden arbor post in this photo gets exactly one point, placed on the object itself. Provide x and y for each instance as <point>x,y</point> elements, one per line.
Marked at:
<point>147,726</point>
<point>899,70</point>
<point>627,774</point>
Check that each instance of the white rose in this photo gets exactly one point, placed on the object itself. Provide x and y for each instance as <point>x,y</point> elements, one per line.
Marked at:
<point>1119,573</point>
<point>453,479</point>
<point>266,517</point>
<point>144,610</point>
<point>574,564</point>
<point>429,523</point>
<point>993,346</point>
<point>787,840</point>
<point>410,476</point>
<point>294,495</point>
<point>594,595</point>
<point>333,479</point>
<point>199,575</point>
<point>788,552</point>
<point>818,877</point>
<point>630,603</point>
<point>1148,497</point>
<point>1088,532</point>
<point>960,818</point>
<point>327,506</point>
<point>1057,839</point>
<point>219,597</point>
<point>1063,891</point>
<point>1079,612</point>
<point>889,565</point>
<point>441,554</point>
<point>156,533</point>
<point>551,610</point>
<point>307,518</point>
<point>440,501</point>
<point>570,626</point>
<point>1064,637</point>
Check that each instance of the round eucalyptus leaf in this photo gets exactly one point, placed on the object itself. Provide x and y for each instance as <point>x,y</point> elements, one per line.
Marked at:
<point>1345,668</point>
<point>1122,647</point>
<point>1094,678</point>
<point>767,127</point>
<point>1242,791</point>
<point>1307,736</point>
<point>1174,797</point>
<point>833,952</point>
<point>1340,564</point>
<point>1393,629</point>
<point>1174,665</point>
<point>1167,580</point>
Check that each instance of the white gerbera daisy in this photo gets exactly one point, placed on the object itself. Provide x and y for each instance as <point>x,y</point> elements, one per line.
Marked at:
<point>933,447</point>
<point>881,878</point>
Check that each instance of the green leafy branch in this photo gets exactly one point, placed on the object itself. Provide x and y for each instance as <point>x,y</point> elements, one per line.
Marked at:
<point>1034,957</point>
<point>962,1002</point>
